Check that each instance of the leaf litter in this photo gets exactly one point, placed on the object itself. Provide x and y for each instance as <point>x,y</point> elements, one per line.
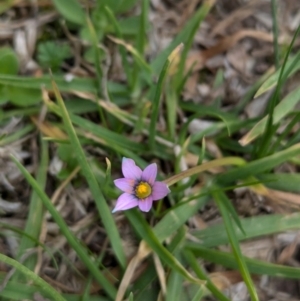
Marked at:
<point>236,37</point>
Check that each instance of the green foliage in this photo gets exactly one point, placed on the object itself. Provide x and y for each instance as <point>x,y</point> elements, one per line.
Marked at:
<point>51,54</point>
<point>71,10</point>
<point>9,63</point>
<point>108,119</point>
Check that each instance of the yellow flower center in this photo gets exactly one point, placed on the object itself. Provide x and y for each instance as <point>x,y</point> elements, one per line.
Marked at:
<point>143,190</point>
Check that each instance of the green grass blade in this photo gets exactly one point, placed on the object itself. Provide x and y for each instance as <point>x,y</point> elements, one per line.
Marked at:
<point>16,135</point>
<point>199,17</point>
<point>97,51</point>
<point>250,94</point>
<point>287,131</point>
<point>259,166</point>
<point>282,181</point>
<point>255,266</point>
<point>101,89</point>
<point>158,92</point>
<point>275,32</point>
<point>108,136</point>
<point>230,208</point>
<point>35,216</point>
<point>190,258</point>
<point>264,145</point>
<point>254,227</point>
<point>20,291</point>
<point>285,107</point>
<point>171,103</point>
<point>147,234</point>
<point>77,84</point>
<point>174,287</point>
<point>80,250</point>
<point>135,54</point>
<point>131,297</point>
<point>204,167</point>
<point>122,49</point>
<point>33,277</point>
<point>182,37</point>
<point>292,65</point>
<point>140,46</point>
<point>101,203</point>
<point>200,294</point>
<point>220,199</point>
<point>175,218</point>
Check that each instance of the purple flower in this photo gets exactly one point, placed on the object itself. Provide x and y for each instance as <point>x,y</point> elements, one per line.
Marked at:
<point>139,187</point>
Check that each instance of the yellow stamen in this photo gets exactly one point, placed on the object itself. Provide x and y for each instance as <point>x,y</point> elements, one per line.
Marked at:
<point>143,190</point>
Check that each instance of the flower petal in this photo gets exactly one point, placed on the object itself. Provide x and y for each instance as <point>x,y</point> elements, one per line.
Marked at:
<point>125,185</point>
<point>125,201</point>
<point>130,170</point>
<point>149,173</point>
<point>146,204</point>
<point>159,190</point>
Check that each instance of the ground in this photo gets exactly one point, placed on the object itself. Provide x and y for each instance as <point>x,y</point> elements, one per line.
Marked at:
<point>207,90</point>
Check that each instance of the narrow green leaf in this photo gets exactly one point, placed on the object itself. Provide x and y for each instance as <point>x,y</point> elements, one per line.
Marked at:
<point>136,55</point>
<point>220,199</point>
<point>35,216</point>
<point>131,297</point>
<point>263,146</point>
<point>254,227</point>
<point>200,15</point>
<point>171,102</point>
<point>200,294</point>
<point>177,217</point>
<point>76,84</point>
<point>293,64</point>
<point>21,291</point>
<point>285,107</point>
<point>118,33</point>
<point>275,33</point>
<point>16,135</point>
<point>182,37</point>
<point>158,92</point>
<point>255,266</point>
<point>229,207</point>
<point>33,277</point>
<point>190,258</point>
<point>141,40</point>
<point>258,166</point>
<point>282,181</point>
<point>101,203</point>
<point>204,167</point>
<point>174,286</point>
<point>81,252</point>
<point>148,235</point>
<point>285,134</point>
<point>98,53</point>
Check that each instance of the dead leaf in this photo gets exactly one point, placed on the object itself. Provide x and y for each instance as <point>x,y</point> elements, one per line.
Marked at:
<point>49,129</point>
<point>225,279</point>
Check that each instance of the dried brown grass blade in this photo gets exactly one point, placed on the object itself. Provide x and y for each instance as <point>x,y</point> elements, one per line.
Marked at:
<point>142,253</point>
<point>48,129</point>
<point>161,274</point>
